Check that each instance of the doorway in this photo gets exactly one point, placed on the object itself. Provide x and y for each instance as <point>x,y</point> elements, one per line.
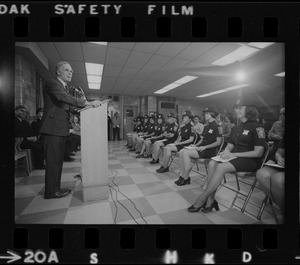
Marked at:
<point>130,112</point>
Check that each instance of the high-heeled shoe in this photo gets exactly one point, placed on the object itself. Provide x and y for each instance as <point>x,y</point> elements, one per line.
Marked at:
<point>193,209</point>
<point>211,207</point>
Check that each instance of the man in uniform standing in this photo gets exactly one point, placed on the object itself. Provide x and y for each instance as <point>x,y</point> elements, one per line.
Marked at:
<point>55,126</point>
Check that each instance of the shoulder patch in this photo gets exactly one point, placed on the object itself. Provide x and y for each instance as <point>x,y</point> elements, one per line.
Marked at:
<point>261,132</point>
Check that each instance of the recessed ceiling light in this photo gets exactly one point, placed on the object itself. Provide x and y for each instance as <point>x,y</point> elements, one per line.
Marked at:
<point>260,45</point>
<point>185,79</point>
<point>98,43</point>
<point>94,86</point>
<point>239,54</point>
<point>94,68</point>
<point>280,74</point>
<point>223,90</point>
<point>94,79</point>
<point>167,88</point>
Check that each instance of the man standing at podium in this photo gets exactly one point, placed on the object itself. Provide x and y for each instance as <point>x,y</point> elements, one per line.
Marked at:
<point>55,126</point>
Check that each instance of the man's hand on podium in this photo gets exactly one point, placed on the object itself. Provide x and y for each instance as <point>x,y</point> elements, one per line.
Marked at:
<point>95,103</point>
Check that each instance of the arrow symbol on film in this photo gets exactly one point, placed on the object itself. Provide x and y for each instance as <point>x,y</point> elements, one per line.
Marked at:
<point>12,257</point>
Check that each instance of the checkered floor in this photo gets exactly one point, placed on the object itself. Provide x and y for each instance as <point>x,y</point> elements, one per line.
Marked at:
<point>138,195</point>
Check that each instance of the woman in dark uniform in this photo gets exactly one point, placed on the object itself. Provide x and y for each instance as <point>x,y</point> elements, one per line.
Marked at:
<point>205,148</point>
<point>135,135</point>
<point>185,138</point>
<point>170,136</point>
<point>245,147</point>
<point>141,139</point>
<point>158,135</point>
<point>271,179</point>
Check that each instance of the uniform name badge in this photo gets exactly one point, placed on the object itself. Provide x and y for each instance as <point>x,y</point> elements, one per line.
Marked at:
<point>245,132</point>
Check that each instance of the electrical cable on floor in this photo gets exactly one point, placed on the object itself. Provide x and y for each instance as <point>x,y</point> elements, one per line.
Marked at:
<point>116,214</point>
<point>116,173</point>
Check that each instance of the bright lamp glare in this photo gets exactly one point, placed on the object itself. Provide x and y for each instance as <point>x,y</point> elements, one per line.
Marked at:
<point>240,76</point>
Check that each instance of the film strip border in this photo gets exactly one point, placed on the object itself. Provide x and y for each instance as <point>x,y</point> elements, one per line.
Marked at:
<point>157,21</point>
<point>154,244</point>
<point>119,21</point>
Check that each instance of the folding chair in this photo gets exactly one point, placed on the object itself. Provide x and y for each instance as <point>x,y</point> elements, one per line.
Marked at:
<point>253,185</point>
<point>205,162</point>
<point>19,154</point>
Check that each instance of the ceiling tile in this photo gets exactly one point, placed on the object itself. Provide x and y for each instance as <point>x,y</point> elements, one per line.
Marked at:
<point>111,71</point>
<point>156,62</point>
<point>93,53</point>
<point>121,45</point>
<point>128,72</point>
<point>116,57</point>
<point>145,74</point>
<point>171,49</point>
<point>69,50</point>
<point>137,59</point>
<point>78,67</point>
<point>194,50</point>
<point>147,47</point>
<point>174,65</point>
<point>49,49</point>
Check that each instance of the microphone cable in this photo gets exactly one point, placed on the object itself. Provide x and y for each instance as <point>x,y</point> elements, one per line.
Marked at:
<point>113,181</point>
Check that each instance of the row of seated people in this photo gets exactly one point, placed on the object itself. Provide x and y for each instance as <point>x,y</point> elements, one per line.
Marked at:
<point>245,147</point>
<point>33,140</point>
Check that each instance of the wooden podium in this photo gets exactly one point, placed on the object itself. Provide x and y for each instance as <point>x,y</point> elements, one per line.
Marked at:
<point>94,153</point>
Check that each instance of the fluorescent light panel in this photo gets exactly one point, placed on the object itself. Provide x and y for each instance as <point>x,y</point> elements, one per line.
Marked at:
<point>98,43</point>
<point>280,74</point>
<point>223,90</point>
<point>94,79</point>
<point>179,82</point>
<point>260,45</point>
<point>167,88</point>
<point>94,86</point>
<point>238,55</point>
<point>94,68</point>
<point>186,79</point>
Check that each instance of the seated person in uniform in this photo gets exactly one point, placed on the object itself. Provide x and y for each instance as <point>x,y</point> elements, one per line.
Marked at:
<point>140,146</point>
<point>30,138</point>
<point>158,135</point>
<point>185,138</point>
<point>139,131</point>
<point>139,137</point>
<point>245,147</point>
<point>198,126</point>
<point>75,133</point>
<point>271,179</point>
<point>36,125</point>
<point>130,134</point>
<point>170,136</point>
<point>205,148</point>
<point>276,133</point>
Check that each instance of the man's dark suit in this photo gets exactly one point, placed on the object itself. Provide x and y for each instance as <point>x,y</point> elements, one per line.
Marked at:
<point>55,128</point>
<point>23,129</point>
